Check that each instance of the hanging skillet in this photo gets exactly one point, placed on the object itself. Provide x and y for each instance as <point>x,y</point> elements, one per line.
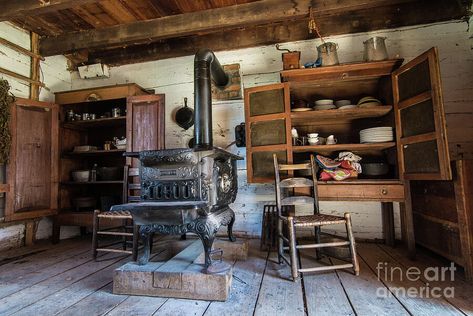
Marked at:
<point>185,116</point>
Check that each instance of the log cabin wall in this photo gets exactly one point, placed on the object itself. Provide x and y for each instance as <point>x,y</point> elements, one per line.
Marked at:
<point>56,77</point>
<point>261,65</point>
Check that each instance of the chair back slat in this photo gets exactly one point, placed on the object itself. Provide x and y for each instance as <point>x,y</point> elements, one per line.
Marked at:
<point>291,167</point>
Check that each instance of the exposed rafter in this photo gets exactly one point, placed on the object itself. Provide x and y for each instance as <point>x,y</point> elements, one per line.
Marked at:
<point>202,22</point>
<point>389,16</point>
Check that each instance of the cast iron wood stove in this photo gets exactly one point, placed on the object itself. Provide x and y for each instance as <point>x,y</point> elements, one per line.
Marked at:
<point>189,190</point>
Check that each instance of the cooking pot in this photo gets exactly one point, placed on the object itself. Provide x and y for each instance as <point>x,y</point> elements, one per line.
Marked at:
<point>84,202</point>
<point>185,116</point>
<point>374,169</point>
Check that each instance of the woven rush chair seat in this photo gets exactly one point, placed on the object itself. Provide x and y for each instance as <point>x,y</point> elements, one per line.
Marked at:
<point>118,215</point>
<point>318,220</point>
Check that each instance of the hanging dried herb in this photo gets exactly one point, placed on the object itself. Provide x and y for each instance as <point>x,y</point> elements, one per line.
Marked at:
<point>5,137</point>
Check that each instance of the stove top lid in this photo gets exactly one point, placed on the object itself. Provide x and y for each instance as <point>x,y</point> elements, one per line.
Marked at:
<point>212,152</point>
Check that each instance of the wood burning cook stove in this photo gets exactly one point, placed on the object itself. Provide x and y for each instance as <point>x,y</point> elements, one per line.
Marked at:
<point>189,190</point>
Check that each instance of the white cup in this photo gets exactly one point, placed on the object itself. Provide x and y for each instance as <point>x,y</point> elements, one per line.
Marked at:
<point>313,140</point>
<point>331,140</point>
<point>313,135</point>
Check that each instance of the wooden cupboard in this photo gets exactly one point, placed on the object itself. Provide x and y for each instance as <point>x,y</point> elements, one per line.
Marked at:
<point>42,157</point>
<point>412,104</point>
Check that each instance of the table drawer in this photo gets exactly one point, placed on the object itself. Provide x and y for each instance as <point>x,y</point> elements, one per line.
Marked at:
<point>361,192</point>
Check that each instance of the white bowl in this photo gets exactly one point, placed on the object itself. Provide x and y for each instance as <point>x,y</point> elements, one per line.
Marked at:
<point>340,103</point>
<point>313,140</point>
<point>324,102</point>
<point>312,135</point>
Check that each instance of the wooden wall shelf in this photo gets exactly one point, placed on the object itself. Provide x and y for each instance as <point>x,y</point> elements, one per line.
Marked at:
<point>351,71</point>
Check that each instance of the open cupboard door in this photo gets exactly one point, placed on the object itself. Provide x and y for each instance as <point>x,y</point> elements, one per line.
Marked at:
<point>268,130</point>
<point>32,172</point>
<point>420,120</point>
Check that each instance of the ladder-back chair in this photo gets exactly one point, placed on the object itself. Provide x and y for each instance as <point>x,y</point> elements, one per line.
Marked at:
<point>284,199</point>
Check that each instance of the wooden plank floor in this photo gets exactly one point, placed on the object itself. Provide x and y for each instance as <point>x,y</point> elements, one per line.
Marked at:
<point>64,280</point>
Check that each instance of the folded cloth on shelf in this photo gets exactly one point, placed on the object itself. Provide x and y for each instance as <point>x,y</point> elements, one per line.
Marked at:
<point>347,155</point>
<point>337,174</point>
<point>326,163</point>
<point>344,167</point>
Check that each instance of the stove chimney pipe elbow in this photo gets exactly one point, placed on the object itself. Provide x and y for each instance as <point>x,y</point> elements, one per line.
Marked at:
<point>206,68</point>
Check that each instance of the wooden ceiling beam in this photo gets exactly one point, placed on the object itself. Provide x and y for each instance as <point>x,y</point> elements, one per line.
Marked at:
<point>349,22</point>
<point>14,9</point>
<point>201,22</point>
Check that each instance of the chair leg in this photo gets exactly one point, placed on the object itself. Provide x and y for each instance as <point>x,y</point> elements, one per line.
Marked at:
<point>136,231</point>
<point>292,249</point>
<point>280,241</point>
<point>95,242</point>
<point>318,253</point>
<point>354,258</point>
<point>124,222</point>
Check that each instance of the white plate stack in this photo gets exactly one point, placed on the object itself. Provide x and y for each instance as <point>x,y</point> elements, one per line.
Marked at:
<point>326,104</point>
<point>377,135</point>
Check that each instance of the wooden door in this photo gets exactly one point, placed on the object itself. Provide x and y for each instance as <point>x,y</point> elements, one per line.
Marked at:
<point>34,160</point>
<point>145,128</point>
<point>420,120</point>
<point>268,130</point>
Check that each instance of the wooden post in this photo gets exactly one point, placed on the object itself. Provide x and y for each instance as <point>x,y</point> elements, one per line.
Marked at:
<point>35,66</point>
<point>408,221</point>
<point>388,223</point>
<point>464,200</point>
<point>30,233</point>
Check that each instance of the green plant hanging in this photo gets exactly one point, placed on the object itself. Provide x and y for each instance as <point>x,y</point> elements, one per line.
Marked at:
<point>6,98</point>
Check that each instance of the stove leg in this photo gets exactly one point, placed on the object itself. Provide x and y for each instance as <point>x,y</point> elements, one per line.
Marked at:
<point>207,242</point>
<point>145,234</point>
<point>230,227</point>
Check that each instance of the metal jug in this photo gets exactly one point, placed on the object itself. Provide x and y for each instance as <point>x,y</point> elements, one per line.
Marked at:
<point>375,49</point>
<point>328,53</point>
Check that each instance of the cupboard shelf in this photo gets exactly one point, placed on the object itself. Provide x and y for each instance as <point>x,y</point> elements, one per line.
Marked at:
<point>340,147</point>
<point>310,117</point>
<point>93,153</point>
<point>100,122</point>
<point>91,182</point>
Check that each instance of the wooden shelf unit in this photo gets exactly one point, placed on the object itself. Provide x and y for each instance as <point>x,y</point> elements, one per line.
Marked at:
<point>131,99</point>
<point>418,152</point>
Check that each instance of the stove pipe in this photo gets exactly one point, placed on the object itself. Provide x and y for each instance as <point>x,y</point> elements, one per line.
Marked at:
<point>206,67</point>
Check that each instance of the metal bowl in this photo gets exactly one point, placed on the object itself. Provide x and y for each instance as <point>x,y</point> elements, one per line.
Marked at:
<point>81,175</point>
